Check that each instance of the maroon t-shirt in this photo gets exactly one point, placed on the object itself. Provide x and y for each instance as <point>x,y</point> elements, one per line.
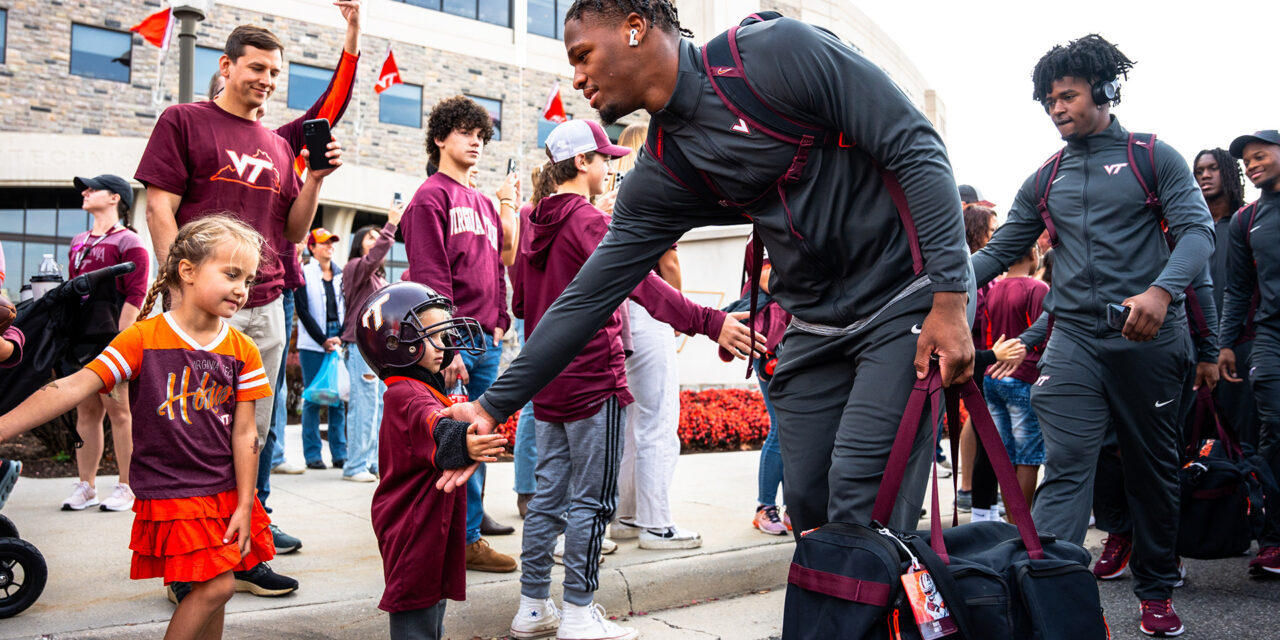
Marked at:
<point>453,237</point>
<point>1012,304</point>
<point>220,162</point>
<point>90,253</point>
<point>562,232</point>
<point>421,531</point>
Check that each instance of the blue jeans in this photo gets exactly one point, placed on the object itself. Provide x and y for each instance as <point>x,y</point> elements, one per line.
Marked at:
<point>526,447</point>
<point>1009,400</point>
<point>364,414</point>
<point>482,371</point>
<point>770,475</point>
<point>272,453</point>
<point>311,445</point>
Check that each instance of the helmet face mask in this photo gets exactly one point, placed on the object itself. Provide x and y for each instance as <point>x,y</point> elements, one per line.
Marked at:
<point>448,336</point>
<point>390,334</point>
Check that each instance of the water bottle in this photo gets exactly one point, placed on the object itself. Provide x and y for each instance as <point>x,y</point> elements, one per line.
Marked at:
<point>458,393</point>
<point>48,278</point>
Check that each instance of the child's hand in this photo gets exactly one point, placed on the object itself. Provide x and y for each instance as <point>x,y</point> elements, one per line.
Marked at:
<point>238,525</point>
<point>484,448</point>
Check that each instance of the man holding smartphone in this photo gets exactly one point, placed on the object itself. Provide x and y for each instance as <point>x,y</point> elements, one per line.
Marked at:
<point>1110,249</point>
<point>215,156</point>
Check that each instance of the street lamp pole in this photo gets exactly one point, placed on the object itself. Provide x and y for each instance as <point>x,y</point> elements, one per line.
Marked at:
<point>188,14</point>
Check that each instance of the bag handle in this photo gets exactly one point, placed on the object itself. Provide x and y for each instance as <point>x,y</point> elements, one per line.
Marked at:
<point>1206,410</point>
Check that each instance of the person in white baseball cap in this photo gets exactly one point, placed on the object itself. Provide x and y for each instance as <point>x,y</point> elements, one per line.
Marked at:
<point>581,136</point>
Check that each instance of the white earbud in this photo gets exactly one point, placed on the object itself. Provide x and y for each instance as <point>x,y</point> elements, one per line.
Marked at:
<point>634,42</point>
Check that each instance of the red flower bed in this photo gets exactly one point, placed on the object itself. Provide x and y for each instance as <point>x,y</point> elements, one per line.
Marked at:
<point>710,420</point>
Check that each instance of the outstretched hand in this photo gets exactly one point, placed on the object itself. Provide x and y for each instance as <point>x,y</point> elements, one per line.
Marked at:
<point>484,424</point>
<point>737,338</point>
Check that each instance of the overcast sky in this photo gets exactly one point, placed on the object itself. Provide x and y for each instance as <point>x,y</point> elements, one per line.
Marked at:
<point>1200,80</point>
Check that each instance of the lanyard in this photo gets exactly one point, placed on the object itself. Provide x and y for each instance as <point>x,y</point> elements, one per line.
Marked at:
<point>87,246</point>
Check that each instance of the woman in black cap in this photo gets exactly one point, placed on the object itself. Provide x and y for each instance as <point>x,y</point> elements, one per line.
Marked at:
<point>109,241</point>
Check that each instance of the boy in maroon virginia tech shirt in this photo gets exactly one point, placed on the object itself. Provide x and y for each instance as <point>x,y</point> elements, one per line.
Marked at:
<point>578,416</point>
<point>421,530</point>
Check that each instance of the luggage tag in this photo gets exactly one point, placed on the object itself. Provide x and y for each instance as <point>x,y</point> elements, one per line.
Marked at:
<point>931,613</point>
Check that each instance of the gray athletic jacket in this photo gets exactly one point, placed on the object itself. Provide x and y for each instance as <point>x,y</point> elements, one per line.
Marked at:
<point>1252,263</point>
<point>848,255</point>
<point>1111,247</point>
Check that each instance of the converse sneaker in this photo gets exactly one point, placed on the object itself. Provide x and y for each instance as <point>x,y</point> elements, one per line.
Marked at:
<point>624,531</point>
<point>590,623</point>
<point>1267,561</point>
<point>262,581</point>
<point>121,499</point>
<point>537,618</point>
<point>82,497</point>
<point>288,468</point>
<point>669,538</point>
<point>9,472</point>
<point>1114,560</point>
<point>607,547</point>
<point>1159,619</point>
<point>767,521</point>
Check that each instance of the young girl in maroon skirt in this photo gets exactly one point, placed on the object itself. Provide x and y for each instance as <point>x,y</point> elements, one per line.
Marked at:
<point>195,455</point>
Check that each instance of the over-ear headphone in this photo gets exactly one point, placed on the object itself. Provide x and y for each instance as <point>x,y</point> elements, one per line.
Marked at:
<point>1105,91</point>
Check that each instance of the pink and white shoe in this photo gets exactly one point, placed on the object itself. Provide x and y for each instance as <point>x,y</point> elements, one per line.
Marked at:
<point>82,497</point>
<point>767,521</point>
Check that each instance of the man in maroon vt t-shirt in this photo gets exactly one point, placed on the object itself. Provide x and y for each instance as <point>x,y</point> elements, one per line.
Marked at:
<point>214,157</point>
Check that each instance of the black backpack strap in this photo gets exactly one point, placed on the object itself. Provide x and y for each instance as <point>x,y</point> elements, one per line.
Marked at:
<point>1042,189</point>
<point>677,165</point>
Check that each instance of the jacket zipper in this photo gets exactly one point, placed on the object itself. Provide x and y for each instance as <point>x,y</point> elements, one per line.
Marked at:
<point>1088,239</point>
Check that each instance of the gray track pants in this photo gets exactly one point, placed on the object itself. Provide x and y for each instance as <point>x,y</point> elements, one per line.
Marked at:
<point>577,486</point>
<point>1090,384</point>
<point>839,400</point>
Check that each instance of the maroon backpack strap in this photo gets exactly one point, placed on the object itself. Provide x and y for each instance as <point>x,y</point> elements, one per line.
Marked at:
<point>757,267</point>
<point>1042,205</point>
<point>1151,186</point>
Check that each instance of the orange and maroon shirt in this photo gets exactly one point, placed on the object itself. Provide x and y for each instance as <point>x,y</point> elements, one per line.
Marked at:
<point>183,403</point>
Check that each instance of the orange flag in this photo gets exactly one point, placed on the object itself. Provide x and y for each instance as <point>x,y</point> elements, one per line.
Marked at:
<point>389,75</point>
<point>156,28</point>
<point>554,110</point>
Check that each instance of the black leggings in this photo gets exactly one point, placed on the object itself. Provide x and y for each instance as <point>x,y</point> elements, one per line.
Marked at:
<point>984,477</point>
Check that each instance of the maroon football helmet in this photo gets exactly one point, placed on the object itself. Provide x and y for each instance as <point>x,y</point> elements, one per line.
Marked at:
<point>390,335</point>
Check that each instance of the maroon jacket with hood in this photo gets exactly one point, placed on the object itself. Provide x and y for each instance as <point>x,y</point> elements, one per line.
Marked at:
<point>556,239</point>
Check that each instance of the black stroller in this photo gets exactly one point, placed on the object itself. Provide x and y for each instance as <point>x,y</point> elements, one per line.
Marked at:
<point>64,329</point>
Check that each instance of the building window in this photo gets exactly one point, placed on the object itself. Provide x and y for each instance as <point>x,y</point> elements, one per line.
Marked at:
<point>397,262</point>
<point>34,222</point>
<point>494,107</point>
<point>492,11</point>
<point>546,17</point>
<point>206,65</point>
<point>4,32</point>
<point>545,127</point>
<point>306,85</point>
<point>402,105</point>
<point>100,53</point>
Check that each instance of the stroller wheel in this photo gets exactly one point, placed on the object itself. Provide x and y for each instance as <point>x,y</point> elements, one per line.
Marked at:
<point>22,576</point>
<point>7,528</point>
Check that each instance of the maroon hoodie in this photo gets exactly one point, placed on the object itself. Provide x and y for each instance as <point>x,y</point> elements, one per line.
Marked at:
<point>1012,304</point>
<point>558,237</point>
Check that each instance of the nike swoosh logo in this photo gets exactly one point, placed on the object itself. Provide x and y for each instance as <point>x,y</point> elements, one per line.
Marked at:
<point>915,329</point>
<point>1055,180</point>
<point>1255,228</point>
<point>1161,404</point>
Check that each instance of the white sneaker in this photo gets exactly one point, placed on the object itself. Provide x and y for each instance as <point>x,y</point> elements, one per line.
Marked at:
<point>121,499</point>
<point>590,623</point>
<point>669,538</point>
<point>535,619</point>
<point>288,468</point>
<point>82,497</point>
<point>607,547</point>
<point>623,531</point>
<point>363,476</point>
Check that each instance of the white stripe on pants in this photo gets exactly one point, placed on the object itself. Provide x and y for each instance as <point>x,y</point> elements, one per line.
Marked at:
<point>652,443</point>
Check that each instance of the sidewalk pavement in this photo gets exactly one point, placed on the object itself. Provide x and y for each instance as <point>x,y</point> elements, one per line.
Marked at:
<point>89,595</point>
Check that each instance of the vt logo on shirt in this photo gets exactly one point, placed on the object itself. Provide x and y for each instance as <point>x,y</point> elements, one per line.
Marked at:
<point>1114,169</point>
<point>255,171</point>
<point>466,220</point>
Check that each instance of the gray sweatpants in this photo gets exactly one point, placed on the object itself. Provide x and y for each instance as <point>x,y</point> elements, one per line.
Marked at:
<point>419,624</point>
<point>1087,385</point>
<point>577,495</point>
<point>839,400</point>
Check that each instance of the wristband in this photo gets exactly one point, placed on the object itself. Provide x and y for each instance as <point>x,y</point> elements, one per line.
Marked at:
<point>507,201</point>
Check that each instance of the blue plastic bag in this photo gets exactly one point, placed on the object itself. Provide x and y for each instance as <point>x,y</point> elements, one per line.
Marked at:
<point>332,384</point>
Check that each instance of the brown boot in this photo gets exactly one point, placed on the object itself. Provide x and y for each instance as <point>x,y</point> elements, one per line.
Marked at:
<point>522,503</point>
<point>482,557</point>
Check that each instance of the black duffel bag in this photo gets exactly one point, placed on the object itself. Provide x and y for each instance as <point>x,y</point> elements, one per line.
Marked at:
<point>1221,490</point>
<point>997,581</point>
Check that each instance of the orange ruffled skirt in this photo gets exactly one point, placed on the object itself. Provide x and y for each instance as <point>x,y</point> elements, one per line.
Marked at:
<point>180,539</point>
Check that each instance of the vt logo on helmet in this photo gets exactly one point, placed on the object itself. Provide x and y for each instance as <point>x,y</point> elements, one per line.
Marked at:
<point>390,334</point>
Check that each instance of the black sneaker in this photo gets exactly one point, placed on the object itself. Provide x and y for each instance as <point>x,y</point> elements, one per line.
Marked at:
<point>284,542</point>
<point>338,464</point>
<point>177,591</point>
<point>262,581</point>
<point>318,464</point>
<point>964,500</point>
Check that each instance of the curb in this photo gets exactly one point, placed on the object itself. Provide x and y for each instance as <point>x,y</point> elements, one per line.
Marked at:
<point>638,588</point>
